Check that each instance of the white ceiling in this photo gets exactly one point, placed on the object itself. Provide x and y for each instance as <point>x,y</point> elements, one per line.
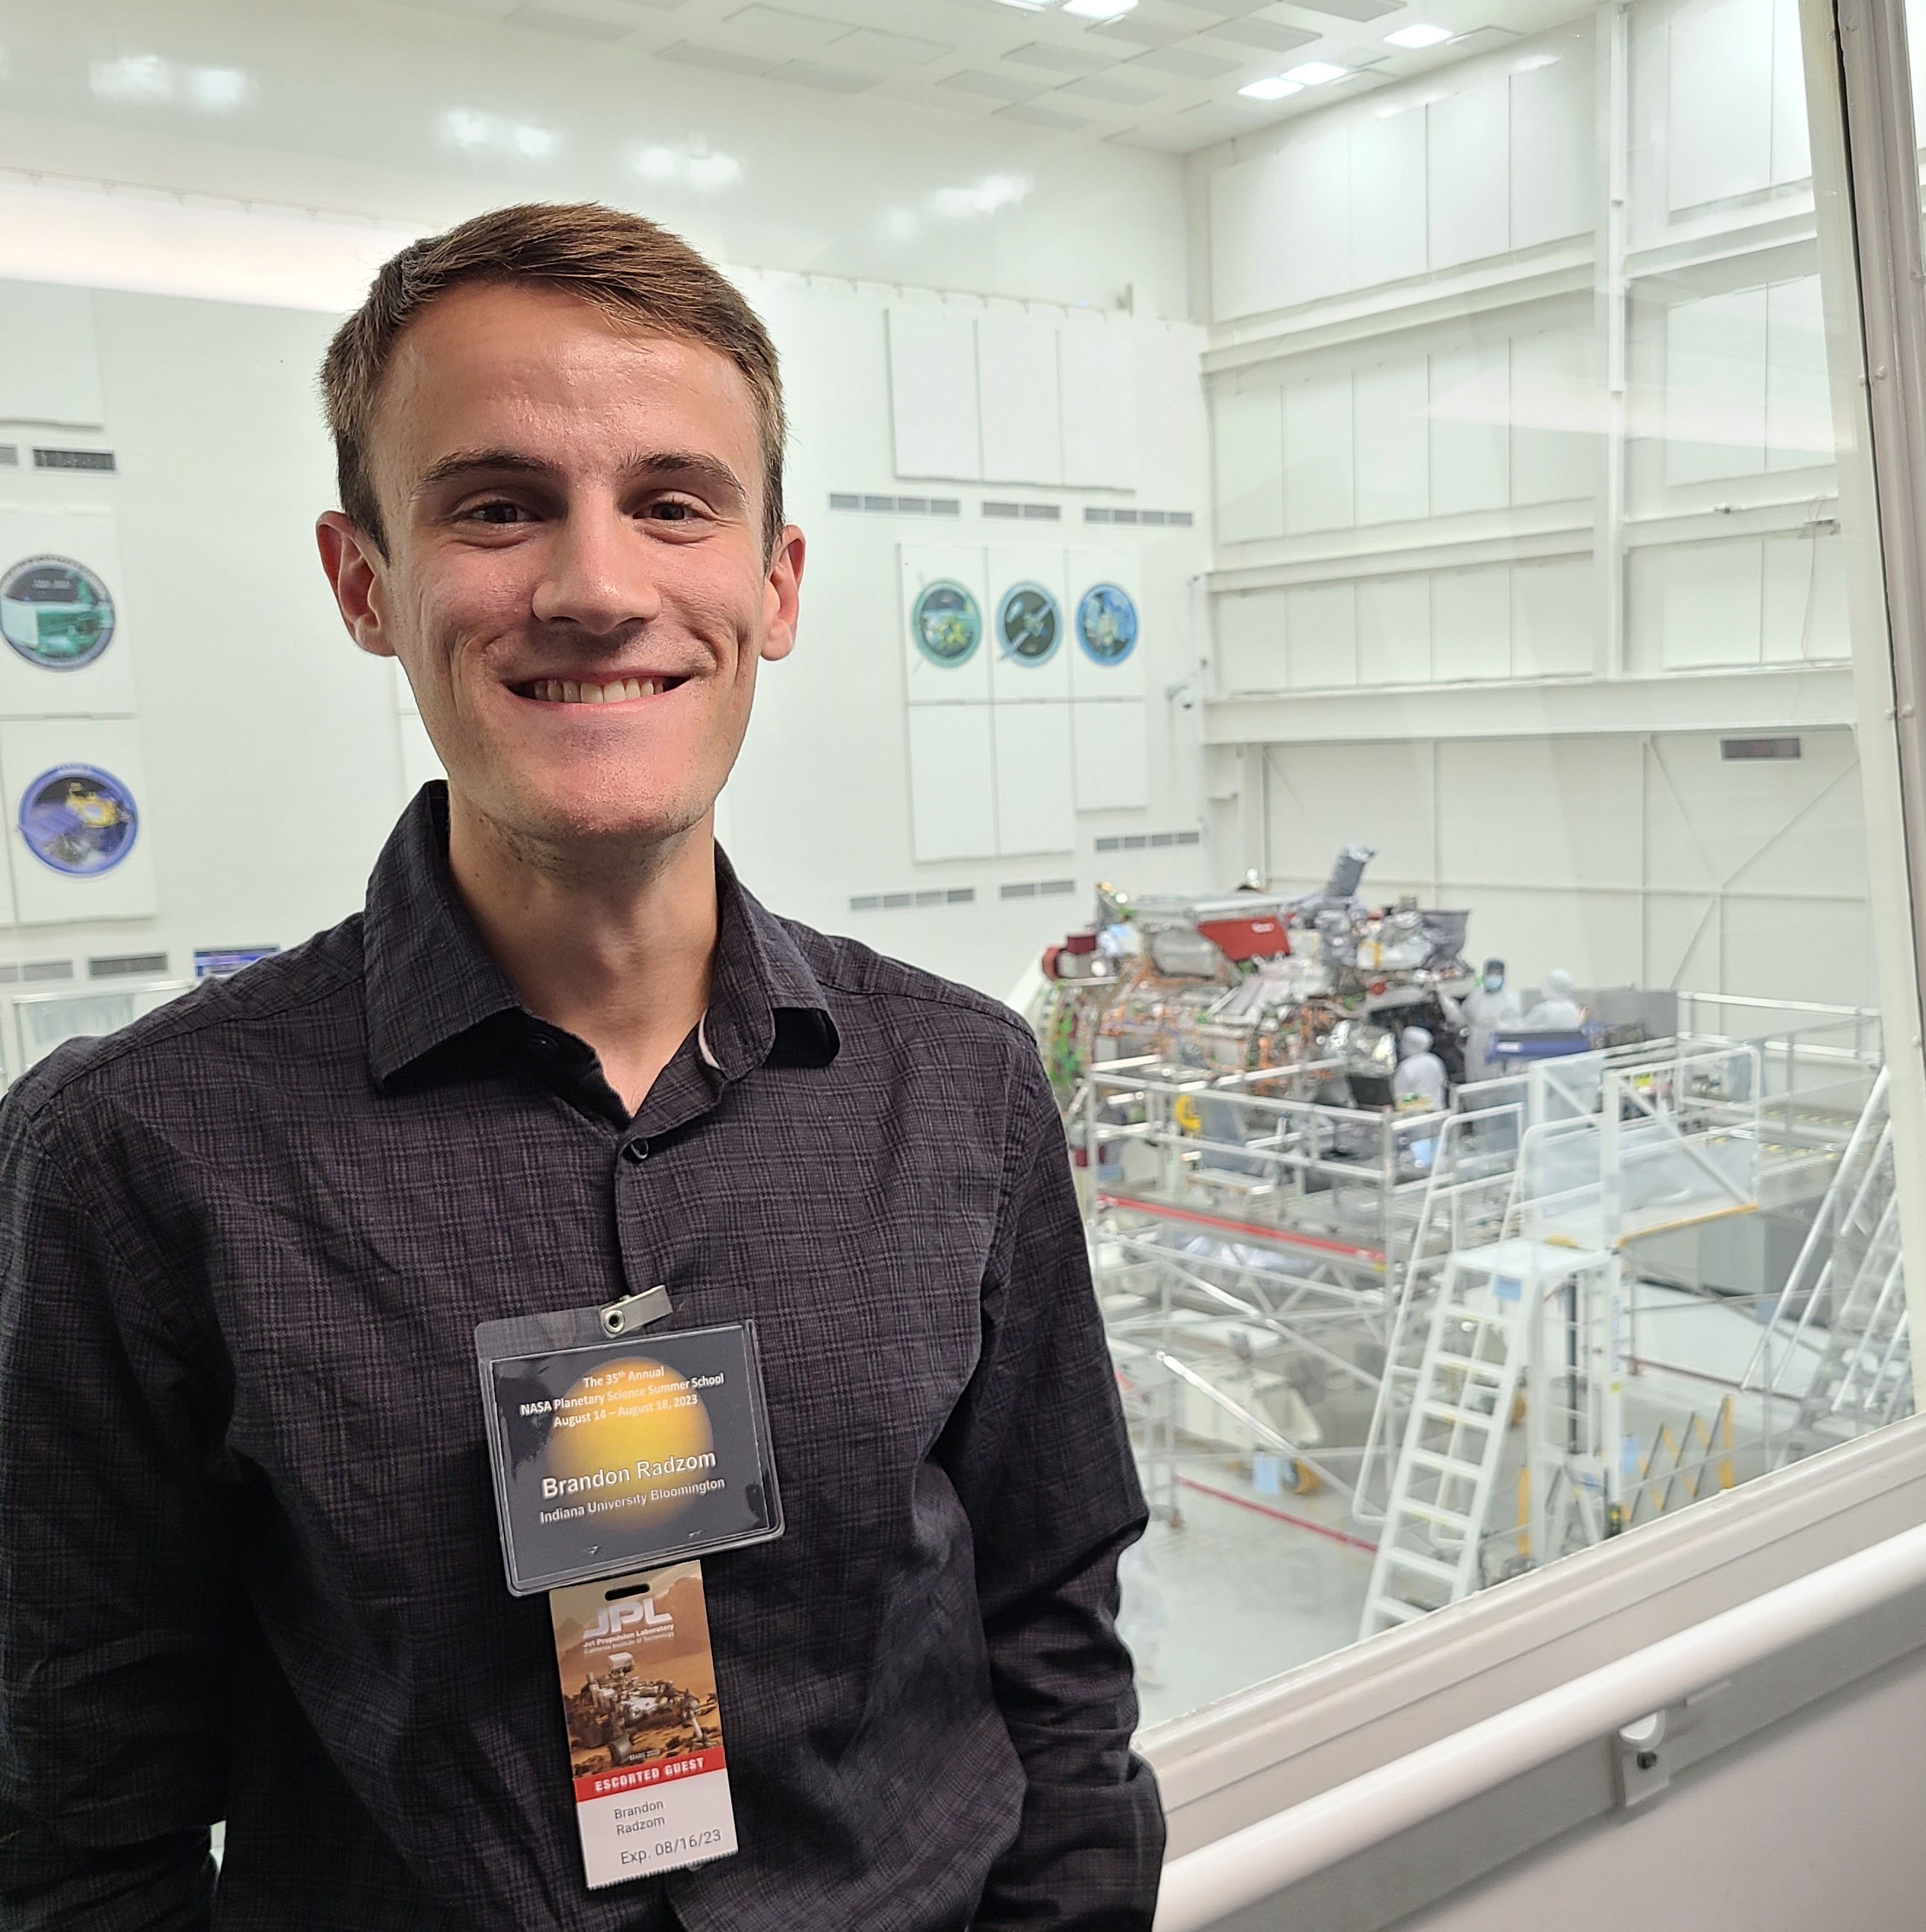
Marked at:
<point>1164,75</point>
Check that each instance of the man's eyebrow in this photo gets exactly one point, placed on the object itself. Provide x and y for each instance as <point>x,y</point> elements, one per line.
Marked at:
<point>691,466</point>
<point>467,462</point>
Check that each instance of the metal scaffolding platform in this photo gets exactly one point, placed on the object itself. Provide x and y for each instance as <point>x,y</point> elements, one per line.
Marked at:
<point>1310,1294</point>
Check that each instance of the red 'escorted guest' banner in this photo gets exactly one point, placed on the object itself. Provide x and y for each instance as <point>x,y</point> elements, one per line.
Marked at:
<point>658,1771</point>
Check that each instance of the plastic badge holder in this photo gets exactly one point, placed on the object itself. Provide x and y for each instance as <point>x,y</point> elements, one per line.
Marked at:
<point>614,1455</point>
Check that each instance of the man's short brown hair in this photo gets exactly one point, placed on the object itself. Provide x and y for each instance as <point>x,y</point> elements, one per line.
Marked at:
<point>626,265</point>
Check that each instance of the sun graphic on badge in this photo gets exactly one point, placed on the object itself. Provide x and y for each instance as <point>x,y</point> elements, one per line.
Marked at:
<point>632,1436</point>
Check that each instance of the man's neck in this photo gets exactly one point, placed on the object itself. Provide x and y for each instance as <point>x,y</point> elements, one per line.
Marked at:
<point>616,953</point>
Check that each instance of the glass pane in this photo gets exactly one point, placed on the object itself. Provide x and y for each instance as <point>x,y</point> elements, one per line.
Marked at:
<point>44,1020</point>
<point>44,1024</point>
<point>1328,591</point>
<point>1505,1164</point>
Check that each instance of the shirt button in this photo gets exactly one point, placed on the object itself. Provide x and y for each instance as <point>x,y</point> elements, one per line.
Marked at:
<point>635,1150</point>
<point>543,1043</point>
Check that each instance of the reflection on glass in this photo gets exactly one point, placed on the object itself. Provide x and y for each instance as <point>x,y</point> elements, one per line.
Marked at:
<point>42,1021</point>
<point>1529,605</point>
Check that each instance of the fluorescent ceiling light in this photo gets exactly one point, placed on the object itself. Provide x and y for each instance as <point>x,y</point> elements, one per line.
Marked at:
<point>462,127</point>
<point>1418,36</point>
<point>132,77</point>
<point>1273,87</point>
<point>1315,74</point>
<point>694,167</point>
<point>1098,10</point>
<point>993,192</point>
<point>219,87</point>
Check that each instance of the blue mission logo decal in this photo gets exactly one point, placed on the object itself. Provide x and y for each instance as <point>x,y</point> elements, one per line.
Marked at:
<point>79,820</point>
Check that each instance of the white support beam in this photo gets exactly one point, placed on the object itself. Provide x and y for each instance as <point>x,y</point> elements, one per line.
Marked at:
<point>1510,536</point>
<point>1496,536</point>
<point>1612,322</point>
<point>1557,273</point>
<point>1806,517</point>
<point>1379,315</point>
<point>1734,235</point>
<point>1763,702</point>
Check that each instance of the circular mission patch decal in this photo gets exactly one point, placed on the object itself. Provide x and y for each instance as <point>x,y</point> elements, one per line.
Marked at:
<point>1030,624</point>
<point>55,612</point>
<point>79,820</point>
<point>1107,624</point>
<point>947,624</point>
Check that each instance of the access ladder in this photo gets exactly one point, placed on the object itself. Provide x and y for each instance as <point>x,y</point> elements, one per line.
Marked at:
<point>1864,1379</point>
<point>1453,1450</point>
<point>1843,1306</point>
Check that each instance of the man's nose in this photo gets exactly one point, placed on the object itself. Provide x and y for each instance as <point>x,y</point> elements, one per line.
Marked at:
<point>598,573</point>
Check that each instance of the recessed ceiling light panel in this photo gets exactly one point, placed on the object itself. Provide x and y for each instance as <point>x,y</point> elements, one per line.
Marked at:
<point>1099,10</point>
<point>1418,35</point>
<point>1273,87</point>
<point>1316,73</point>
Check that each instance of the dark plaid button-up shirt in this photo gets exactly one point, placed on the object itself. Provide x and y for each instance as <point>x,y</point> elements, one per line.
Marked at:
<point>249,1566</point>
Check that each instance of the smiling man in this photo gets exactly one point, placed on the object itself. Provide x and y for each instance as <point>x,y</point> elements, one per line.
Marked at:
<point>252,1533</point>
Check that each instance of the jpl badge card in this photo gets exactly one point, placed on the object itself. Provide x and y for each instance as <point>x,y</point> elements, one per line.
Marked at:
<point>645,1734</point>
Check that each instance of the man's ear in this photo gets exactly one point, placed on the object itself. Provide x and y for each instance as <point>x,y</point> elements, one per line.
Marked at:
<point>782,594</point>
<point>355,570</point>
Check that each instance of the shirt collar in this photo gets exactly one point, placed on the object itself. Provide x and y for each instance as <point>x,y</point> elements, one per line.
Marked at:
<point>429,977</point>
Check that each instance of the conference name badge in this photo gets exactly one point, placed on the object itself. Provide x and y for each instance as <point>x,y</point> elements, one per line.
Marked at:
<point>611,1456</point>
<point>645,1725</point>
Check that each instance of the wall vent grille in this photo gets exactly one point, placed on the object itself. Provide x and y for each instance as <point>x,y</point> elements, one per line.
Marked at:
<point>1741,750</point>
<point>37,971</point>
<point>1038,889</point>
<point>9,456</point>
<point>127,965</point>
<point>895,506</point>
<point>1174,520</point>
<point>1141,841</point>
<point>1027,513</point>
<point>73,459</point>
<point>931,896</point>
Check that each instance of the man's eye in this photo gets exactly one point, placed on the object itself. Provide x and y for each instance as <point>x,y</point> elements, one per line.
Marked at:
<point>671,511</point>
<point>496,513</point>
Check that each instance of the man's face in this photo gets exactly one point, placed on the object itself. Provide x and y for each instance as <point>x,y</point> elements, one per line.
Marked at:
<point>576,582</point>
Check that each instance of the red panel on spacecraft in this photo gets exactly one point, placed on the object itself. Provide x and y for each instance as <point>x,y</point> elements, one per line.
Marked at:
<point>1247,938</point>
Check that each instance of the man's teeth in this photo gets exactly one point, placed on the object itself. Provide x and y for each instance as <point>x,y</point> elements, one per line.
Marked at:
<point>566,690</point>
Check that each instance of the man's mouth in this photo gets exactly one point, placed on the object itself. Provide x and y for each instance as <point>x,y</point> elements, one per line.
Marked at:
<point>616,691</point>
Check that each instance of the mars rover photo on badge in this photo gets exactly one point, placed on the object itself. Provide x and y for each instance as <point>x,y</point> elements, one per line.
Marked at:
<point>638,1684</point>
<point>619,1717</point>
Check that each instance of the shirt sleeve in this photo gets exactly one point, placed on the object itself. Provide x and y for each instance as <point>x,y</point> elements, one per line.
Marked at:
<point>1039,1456</point>
<point>113,1703</point>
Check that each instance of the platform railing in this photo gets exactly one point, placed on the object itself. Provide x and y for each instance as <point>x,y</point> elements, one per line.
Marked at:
<point>1342,1184</point>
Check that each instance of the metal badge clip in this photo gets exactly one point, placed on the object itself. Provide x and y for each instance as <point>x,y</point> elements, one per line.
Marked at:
<point>635,1311</point>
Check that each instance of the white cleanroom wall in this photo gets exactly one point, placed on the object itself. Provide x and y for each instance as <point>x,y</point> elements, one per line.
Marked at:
<point>193,320</point>
<point>1462,496</point>
<point>278,757</point>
